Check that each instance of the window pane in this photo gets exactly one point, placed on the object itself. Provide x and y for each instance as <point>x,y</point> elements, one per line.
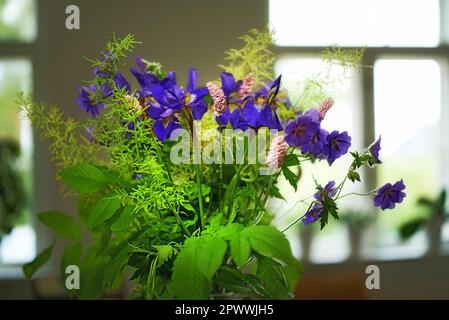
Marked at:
<point>17,20</point>
<point>355,22</point>
<point>304,77</point>
<point>17,246</point>
<point>407,115</point>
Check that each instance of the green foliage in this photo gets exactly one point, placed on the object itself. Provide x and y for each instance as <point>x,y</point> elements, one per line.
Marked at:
<point>436,210</point>
<point>12,193</point>
<point>84,178</point>
<point>104,209</point>
<point>61,224</point>
<point>67,146</point>
<point>346,58</point>
<point>29,269</point>
<point>254,57</point>
<point>195,266</point>
<point>184,231</point>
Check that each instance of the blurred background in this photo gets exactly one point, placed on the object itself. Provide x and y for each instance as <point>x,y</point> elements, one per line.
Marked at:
<point>401,94</point>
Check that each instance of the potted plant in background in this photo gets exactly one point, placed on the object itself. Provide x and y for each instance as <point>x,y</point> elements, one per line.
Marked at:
<point>433,220</point>
<point>173,181</point>
<point>12,193</point>
<point>356,222</point>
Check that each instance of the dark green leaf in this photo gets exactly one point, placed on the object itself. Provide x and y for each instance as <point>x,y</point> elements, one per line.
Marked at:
<point>291,177</point>
<point>61,224</point>
<point>291,160</point>
<point>30,268</point>
<point>408,229</point>
<point>272,277</point>
<point>353,176</point>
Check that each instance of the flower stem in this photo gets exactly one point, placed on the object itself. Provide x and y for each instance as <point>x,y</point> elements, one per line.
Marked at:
<point>200,195</point>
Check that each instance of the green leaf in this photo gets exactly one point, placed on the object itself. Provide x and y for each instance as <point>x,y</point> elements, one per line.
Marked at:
<point>114,270</point>
<point>229,231</point>
<point>164,253</point>
<point>104,209</point>
<point>240,249</point>
<point>269,241</point>
<point>61,224</point>
<point>70,256</point>
<point>291,160</point>
<point>30,268</point>
<point>125,219</point>
<point>354,176</point>
<point>195,266</point>
<point>408,229</point>
<point>272,277</point>
<point>84,178</point>
<point>291,177</point>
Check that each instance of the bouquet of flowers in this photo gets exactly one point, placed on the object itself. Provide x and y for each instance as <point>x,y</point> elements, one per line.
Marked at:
<point>173,181</point>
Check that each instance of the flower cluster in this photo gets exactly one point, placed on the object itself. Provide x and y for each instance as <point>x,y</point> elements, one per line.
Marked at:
<point>238,105</point>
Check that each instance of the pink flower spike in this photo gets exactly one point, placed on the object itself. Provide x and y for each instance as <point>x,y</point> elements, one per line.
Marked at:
<point>218,97</point>
<point>324,107</point>
<point>276,155</point>
<point>247,86</point>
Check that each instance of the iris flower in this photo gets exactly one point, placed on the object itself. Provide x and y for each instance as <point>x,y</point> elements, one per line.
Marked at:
<point>258,110</point>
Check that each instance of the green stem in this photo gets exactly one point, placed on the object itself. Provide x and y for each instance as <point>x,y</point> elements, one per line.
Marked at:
<point>200,195</point>
<point>357,194</point>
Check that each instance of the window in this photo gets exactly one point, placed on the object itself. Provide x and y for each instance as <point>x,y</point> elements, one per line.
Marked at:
<point>17,33</point>
<point>399,23</point>
<point>400,96</point>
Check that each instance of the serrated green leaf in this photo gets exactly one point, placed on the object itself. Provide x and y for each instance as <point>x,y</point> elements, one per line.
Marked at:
<point>84,178</point>
<point>353,176</point>
<point>240,249</point>
<point>269,241</point>
<point>200,259</point>
<point>61,224</point>
<point>29,269</point>
<point>164,253</point>
<point>104,209</point>
<point>291,177</point>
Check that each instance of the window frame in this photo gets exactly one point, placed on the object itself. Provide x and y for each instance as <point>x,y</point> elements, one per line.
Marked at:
<point>439,53</point>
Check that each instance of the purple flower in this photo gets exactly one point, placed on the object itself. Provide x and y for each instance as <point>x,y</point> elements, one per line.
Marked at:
<point>314,213</point>
<point>169,98</point>
<point>374,150</point>
<point>258,110</point>
<point>163,131</point>
<point>228,84</point>
<point>121,82</point>
<point>237,120</point>
<point>388,195</point>
<point>88,101</point>
<point>146,80</point>
<point>337,144</point>
<point>299,132</point>
<point>194,96</point>
<point>316,143</point>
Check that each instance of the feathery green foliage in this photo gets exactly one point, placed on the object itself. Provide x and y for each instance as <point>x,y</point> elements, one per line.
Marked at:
<point>254,57</point>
